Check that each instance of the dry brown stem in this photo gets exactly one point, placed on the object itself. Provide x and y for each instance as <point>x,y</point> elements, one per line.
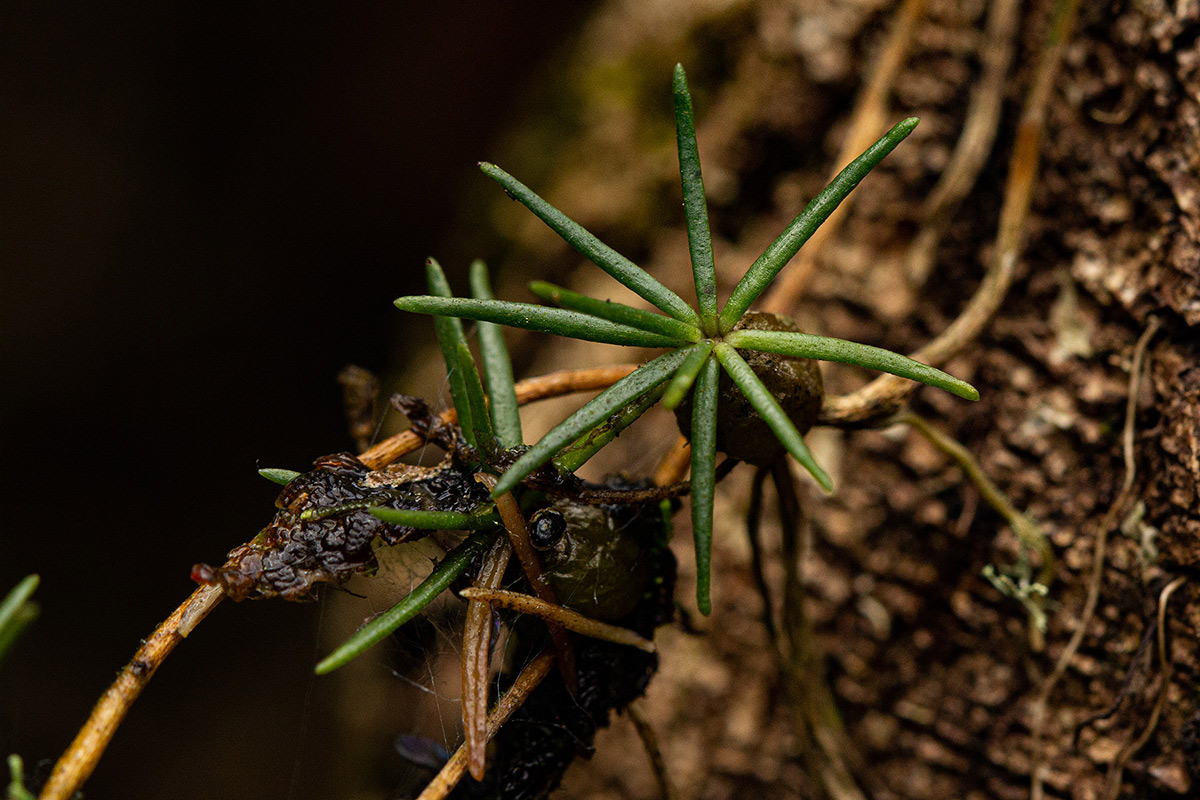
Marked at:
<point>528,391</point>
<point>537,670</point>
<point>477,645</point>
<point>674,465</point>
<point>80,759</point>
<point>531,565</point>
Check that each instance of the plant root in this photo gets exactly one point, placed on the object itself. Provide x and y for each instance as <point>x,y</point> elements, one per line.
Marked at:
<point>543,387</point>
<point>649,740</point>
<point>80,759</point>
<point>1115,513</point>
<point>974,144</point>
<point>1130,748</point>
<point>562,616</point>
<point>531,565</point>
<point>753,535</point>
<point>1027,529</point>
<point>827,751</point>
<point>885,394</point>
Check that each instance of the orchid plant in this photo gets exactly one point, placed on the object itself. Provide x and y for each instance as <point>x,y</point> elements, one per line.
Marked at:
<point>700,341</point>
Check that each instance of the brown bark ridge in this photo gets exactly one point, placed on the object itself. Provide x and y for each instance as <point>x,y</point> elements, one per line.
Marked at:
<point>930,665</point>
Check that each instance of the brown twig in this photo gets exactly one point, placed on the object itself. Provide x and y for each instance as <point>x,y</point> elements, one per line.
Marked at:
<point>477,646</point>
<point>645,733</point>
<point>974,143</point>
<point>885,394</point>
<point>1118,766</point>
<point>866,122</point>
<point>540,388</point>
<point>80,759</point>
<point>76,764</point>
<point>533,674</point>
<point>1115,512</point>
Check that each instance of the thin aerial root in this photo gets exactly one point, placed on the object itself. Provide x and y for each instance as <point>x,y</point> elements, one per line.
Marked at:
<point>645,732</point>
<point>1167,671</point>
<point>80,759</point>
<point>826,749</point>
<point>531,565</point>
<point>444,782</point>
<point>974,144</point>
<point>868,119</point>
<point>559,615</point>
<point>528,391</point>
<point>602,495</point>
<point>886,393</point>
<point>753,534</point>
<point>1027,529</point>
<point>1115,513</point>
<point>477,645</point>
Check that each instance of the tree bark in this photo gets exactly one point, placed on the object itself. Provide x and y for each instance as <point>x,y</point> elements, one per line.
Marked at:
<point>930,665</point>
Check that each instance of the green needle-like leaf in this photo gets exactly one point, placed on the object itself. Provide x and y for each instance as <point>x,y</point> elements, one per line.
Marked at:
<point>595,440</point>
<point>695,207</point>
<point>603,256</point>
<point>593,413</point>
<point>704,476</point>
<point>497,367</point>
<point>281,476</point>
<point>449,334</point>
<point>615,312</point>
<point>433,520</point>
<point>823,348</point>
<point>780,252</point>
<point>16,780</point>
<point>452,566</point>
<point>769,409</point>
<point>481,421</point>
<point>16,612</point>
<point>685,375</point>
<point>558,321</point>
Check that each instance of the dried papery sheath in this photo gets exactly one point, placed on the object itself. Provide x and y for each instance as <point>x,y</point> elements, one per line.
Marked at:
<point>323,532</point>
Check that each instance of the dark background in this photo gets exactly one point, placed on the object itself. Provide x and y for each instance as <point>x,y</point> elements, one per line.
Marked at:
<point>205,212</point>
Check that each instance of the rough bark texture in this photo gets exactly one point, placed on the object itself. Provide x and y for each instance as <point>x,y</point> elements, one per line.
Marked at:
<point>930,665</point>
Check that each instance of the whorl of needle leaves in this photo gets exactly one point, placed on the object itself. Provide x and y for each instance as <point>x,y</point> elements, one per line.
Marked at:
<point>701,341</point>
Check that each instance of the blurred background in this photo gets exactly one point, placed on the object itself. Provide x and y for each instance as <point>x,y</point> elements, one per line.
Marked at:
<point>205,214</point>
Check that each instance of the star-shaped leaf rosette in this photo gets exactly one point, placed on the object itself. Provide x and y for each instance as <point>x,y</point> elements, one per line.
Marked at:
<point>770,378</point>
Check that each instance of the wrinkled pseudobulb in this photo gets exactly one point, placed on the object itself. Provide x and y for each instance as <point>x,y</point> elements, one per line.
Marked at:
<point>534,748</point>
<point>795,383</point>
<point>322,532</point>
